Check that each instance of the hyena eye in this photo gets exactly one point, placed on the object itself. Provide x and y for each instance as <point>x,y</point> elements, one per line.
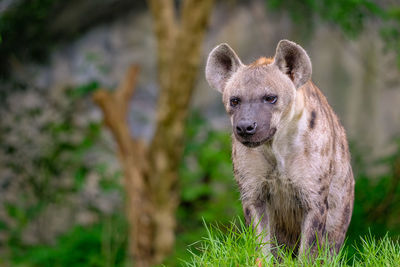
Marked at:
<point>234,101</point>
<point>270,99</point>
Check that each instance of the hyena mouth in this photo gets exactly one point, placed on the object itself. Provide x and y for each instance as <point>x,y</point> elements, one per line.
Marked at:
<point>253,144</point>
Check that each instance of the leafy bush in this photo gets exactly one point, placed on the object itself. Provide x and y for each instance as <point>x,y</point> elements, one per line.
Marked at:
<point>350,16</point>
<point>101,244</point>
<point>53,177</point>
<point>377,199</point>
<point>208,190</point>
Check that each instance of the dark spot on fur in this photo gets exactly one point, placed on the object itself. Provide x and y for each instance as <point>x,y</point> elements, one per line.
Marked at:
<point>311,239</point>
<point>325,151</point>
<point>306,152</point>
<point>337,247</point>
<point>326,203</point>
<point>320,226</point>
<point>268,197</point>
<point>346,213</point>
<point>260,206</point>
<point>235,171</point>
<point>315,223</point>
<point>344,151</point>
<point>312,120</point>
<point>298,202</point>
<point>321,209</point>
<point>323,232</point>
<point>271,133</point>
<point>307,145</point>
<point>247,211</point>
<point>322,190</point>
<point>330,167</point>
<point>247,216</point>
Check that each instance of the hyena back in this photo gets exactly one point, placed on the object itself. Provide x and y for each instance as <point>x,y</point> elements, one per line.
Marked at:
<point>290,153</point>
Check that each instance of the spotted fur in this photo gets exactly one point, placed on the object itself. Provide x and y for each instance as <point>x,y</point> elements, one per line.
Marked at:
<point>298,183</point>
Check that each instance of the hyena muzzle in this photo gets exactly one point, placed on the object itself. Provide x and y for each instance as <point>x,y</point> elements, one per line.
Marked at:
<point>290,153</point>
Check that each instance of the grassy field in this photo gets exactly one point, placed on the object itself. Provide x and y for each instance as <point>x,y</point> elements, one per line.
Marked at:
<point>238,246</point>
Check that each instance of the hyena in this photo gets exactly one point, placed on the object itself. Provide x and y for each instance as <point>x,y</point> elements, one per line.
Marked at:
<point>290,154</point>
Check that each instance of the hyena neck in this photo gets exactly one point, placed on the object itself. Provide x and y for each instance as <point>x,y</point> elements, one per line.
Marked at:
<point>294,114</point>
<point>289,131</point>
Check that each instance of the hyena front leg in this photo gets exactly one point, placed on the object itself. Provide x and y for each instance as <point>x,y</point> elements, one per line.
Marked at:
<point>313,230</point>
<point>255,214</point>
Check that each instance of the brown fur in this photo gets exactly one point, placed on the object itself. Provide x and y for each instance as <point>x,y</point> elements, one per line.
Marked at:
<point>294,171</point>
<point>262,61</point>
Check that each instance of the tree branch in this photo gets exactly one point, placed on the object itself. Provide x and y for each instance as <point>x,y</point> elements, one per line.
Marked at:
<point>127,88</point>
<point>115,106</point>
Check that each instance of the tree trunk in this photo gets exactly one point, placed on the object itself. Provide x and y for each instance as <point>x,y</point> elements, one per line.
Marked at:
<point>151,171</point>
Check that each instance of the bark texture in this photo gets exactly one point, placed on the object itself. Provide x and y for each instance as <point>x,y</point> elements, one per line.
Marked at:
<point>151,170</point>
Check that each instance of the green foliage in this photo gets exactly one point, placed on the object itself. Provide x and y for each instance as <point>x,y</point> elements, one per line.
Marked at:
<point>102,244</point>
<point>43,172</point>
<point>30,29</point>
<point>208,190</point>
<point>83,90</point>
<point>350,16</point>
<point>240,246</point>
<point>28,39</point>
<point>48,157</point>
<point>377,199</point>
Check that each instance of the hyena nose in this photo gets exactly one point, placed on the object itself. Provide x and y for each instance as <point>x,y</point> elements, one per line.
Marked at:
<point>246,128</point>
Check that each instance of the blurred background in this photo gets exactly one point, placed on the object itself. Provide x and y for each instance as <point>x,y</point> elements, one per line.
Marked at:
<point>75,191</point>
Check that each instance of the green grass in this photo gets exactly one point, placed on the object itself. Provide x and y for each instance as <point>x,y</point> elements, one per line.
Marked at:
<point>238,245</point>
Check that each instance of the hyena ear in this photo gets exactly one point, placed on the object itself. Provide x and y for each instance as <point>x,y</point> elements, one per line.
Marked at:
<point>293,61</point>
<point>222,63</point>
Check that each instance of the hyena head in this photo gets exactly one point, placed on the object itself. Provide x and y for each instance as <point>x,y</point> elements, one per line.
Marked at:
<point>258,97</point>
